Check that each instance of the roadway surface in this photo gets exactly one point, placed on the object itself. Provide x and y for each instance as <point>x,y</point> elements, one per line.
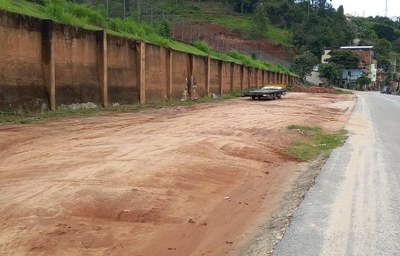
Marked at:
<point>354,207</point>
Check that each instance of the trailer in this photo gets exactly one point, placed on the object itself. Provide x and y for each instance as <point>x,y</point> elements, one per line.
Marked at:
<point>268,91</point>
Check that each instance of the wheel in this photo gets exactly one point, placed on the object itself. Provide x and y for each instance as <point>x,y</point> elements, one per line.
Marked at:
<point>279,96</point>
<point>274,96</point>
<point>253,97</point>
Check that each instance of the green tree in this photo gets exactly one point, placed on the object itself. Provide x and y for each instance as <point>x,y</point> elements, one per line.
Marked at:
<point>304,63</point>
<point>164,29</point>
<point>363,81</point>
<point>260,21</point>
<point>345,58</point>
<point>331,71</point>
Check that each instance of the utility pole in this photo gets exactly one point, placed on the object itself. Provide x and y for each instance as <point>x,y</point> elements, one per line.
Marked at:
<point>124,9</point>
<point>386,8</point>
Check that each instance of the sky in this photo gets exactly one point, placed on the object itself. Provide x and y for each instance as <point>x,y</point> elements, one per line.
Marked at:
<point>369,7</point>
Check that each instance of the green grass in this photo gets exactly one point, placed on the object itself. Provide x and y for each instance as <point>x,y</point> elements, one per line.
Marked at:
<point>26,116</point>
<point>24,7</point>
<point>223,16</point>
<point>340,91</point>
<point>280,36</point>
<point>316,142</point>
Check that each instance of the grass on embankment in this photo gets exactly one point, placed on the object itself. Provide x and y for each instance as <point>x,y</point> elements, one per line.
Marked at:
<point>316,142</point>
<point>26,116</point>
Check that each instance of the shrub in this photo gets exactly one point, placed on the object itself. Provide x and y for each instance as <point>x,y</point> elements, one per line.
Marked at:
<point>4,4</point>
<point>164,29</point>
<point>202,46</point>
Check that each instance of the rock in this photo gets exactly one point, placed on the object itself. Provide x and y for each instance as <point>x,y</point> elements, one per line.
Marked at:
<point>62,107</point>
<point>227,198</point>
<point>215,96</point>
<point>44,107</point>
<point>191,221</point>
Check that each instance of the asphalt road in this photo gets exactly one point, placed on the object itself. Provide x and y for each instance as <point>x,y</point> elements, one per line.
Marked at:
<point>354,207</point>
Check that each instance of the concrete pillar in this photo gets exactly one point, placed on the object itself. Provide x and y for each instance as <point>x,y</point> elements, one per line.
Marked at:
<point>48,63</point>
<point>269,77</point>
<point>191,76</point>
<point>232,76</point>
<point>221,77</point>
<point>241,77</point>
<point>169,73</point>
<point>248,82</point>
<point>263,77</point>
<point>256,76</point>
<point>208,75</point>
<point>142,72</point>
<point>102,65</point>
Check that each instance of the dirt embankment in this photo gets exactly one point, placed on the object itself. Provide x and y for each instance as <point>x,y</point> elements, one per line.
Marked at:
<point>178,181</point>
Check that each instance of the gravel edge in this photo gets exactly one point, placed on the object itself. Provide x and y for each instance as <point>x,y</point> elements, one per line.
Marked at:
<point>272,231</point>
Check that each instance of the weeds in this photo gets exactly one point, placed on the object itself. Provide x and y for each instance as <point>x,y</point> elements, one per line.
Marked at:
<point>202,46</point>
<point>5,4</point>
<point>25,117</point>
<point>316,142</point>
<point>340,91</point>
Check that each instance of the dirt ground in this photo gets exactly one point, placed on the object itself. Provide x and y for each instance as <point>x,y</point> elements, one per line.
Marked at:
<point>188,180</point>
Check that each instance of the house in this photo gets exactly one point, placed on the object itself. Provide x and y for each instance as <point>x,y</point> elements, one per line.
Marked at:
<point>367,65</point>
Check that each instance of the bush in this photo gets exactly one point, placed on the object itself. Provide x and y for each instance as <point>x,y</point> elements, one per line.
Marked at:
<point>74,14</point>
<point>4,4</point>
<point>247,60</point>
<point>164,29</point>
<point>202,46</point>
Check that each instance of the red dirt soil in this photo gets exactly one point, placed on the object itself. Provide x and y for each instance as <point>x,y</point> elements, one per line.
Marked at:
<point>176,181</point>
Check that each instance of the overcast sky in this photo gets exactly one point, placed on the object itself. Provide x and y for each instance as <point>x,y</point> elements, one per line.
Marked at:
<point>369,7</point>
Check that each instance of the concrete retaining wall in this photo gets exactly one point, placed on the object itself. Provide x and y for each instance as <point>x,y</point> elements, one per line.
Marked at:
<point>47,63</point>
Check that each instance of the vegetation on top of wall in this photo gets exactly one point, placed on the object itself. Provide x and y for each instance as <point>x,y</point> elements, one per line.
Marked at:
<point>84,16</point>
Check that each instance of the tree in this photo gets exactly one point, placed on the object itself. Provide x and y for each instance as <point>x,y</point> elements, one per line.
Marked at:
<point>260,21</point>
<point>363,81</point>
<point>330,71</point>
<point>244,6</point>
<point>345,58</point>
<point>164,29</point>
<point>304,63</point>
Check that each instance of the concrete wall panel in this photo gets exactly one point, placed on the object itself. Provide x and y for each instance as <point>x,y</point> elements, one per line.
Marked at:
<point>156,73</point>
<point>180,66</point>
<point>75,65</point>
<point>21,76</point>
<point>123,84</point>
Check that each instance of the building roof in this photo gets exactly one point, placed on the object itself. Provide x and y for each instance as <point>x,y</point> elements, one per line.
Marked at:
<point>357,47</point>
